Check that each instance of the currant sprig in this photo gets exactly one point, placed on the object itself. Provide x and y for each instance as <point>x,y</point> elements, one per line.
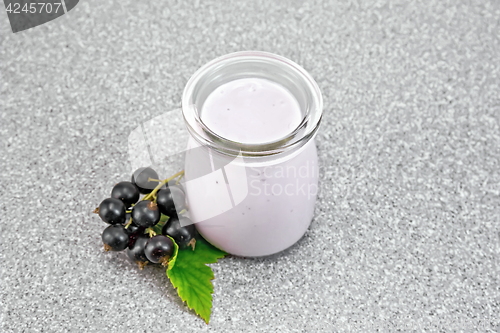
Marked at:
<point>154,230</point>
<point>134,222</point>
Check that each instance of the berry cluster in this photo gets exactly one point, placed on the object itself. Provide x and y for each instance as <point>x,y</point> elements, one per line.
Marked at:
<point>135,225</point>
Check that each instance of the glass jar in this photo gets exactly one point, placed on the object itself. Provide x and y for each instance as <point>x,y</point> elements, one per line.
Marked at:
<point>254,197</point>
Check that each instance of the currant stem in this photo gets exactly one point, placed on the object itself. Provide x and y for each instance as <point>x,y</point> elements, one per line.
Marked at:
<point>151,232</point>
<point>153,180</point>
<point>163,182</point>
<point>178,180</point>
<point>128,224</point>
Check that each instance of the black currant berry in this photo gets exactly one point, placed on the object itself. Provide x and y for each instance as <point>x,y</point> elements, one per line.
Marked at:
<point>171,200</point>
<point>145,214</point>
<point>134,232</point>
<point>141,178</point>
<point>183,236</point>
<point>159,249</point>
<point>136,251</point>
<point>126,192</point>
<point>112,211</point>
<point>115,238</point>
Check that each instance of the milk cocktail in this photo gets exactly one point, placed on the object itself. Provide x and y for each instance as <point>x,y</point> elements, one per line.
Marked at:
<point>252,139</point>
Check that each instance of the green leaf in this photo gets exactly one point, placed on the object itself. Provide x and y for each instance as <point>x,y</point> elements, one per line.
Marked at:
<point>157,228</point>
<point>192,277</point>
<point>173,258</point>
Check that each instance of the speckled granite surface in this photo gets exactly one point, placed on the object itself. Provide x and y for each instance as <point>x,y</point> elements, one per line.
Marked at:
<point>406,234</point>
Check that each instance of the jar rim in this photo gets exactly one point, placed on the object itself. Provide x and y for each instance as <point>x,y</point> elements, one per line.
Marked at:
<point>304,132</point>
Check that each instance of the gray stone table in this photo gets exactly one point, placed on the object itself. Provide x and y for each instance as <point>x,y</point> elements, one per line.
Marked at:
<point>406,233</point>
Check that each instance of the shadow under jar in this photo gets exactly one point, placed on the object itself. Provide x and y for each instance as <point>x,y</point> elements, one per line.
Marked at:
<point>251,166</point>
